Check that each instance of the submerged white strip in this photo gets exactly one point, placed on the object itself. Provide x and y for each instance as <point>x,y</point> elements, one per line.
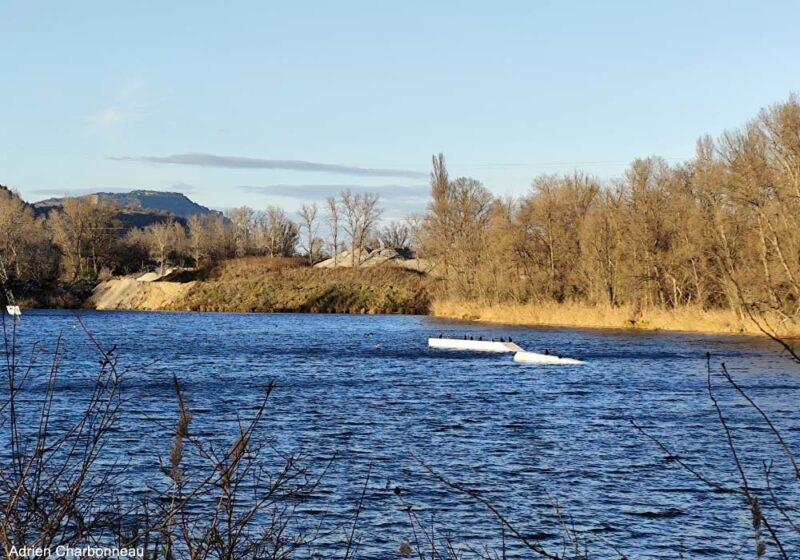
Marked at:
<point>536,358</point>
<point>475,345</point>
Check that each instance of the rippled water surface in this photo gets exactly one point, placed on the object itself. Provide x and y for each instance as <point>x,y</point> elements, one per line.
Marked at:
<point>368,389</point>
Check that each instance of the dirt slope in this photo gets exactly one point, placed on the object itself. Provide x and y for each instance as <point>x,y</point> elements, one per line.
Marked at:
<point>139,293</point>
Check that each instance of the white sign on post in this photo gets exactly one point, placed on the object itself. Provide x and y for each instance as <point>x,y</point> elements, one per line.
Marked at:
<point>14,310</point>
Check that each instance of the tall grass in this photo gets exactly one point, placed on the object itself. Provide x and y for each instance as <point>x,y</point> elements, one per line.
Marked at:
<point>61,486</point>
<point>570,314</point>
<point>266,285</point>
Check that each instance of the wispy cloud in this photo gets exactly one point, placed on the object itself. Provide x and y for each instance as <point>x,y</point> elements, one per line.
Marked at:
<point>110,117</point>
<point>236,162</point>
<point>133,99</point>
<point>386,192</point>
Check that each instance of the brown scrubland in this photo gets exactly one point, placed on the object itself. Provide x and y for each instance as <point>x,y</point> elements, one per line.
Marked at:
<point>256,284</point>
<point>264,284</point>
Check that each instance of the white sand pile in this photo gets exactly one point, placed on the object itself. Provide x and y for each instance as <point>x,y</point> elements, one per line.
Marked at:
<point>378,257</point>
<point>139,293</point>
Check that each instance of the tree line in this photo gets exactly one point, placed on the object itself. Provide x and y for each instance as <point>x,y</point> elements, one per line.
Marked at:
<point>719,231</point>
<point>86,239</point>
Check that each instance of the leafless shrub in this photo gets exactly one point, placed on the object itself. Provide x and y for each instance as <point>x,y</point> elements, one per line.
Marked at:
<point>215,503</point>
<point>428,544</point>
<point>764,508</point>
<point>53,490</point>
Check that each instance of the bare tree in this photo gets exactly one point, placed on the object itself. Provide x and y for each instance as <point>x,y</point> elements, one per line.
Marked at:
<point>308,216</point>
<point>53,483</point>
<point>209,238</point>
<point>333,225</point>
<point>197,238</point>
<point>242,222</point>
<point>416,230</point>
<point>85,229</point>
<point>162,239</point>
<point>279,232</point>
<point>456,229</point>
<point>361,213</point>
<point>59,487</point>
<point>438,223</point>
<point>395,235</point>
<point>25,243</point>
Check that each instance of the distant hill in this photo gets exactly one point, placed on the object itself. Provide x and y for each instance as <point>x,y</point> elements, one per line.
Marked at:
<point>140,208</point>
<point>170,202</point>
<point>8,192</point>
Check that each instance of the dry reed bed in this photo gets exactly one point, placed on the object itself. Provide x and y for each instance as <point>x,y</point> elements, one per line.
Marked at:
<point>570,314</point>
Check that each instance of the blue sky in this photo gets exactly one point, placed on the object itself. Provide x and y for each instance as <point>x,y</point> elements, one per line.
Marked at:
<point>279,102</point>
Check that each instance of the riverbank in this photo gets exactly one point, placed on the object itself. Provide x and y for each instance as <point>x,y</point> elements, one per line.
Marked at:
<point>260,284</point>
<point>271,285</point>
<point>687,319</point>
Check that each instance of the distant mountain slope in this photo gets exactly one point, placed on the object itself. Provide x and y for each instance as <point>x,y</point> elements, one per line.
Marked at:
<point>9,192</point>
<point>142,202</point>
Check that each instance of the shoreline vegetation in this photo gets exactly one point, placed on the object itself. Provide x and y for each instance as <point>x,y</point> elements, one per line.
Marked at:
<point>711,244</point>
<point>256,286</point>
<point>263,285</point>
<point>584,316</point>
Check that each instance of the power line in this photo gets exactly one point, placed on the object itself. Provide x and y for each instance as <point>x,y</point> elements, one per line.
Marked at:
<point>553,163</point>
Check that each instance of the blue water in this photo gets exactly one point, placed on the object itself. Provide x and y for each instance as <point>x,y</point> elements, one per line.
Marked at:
<point>368,390</point>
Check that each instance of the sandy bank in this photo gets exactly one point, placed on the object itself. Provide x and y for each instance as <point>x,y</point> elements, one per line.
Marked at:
<point>268,285</point>
<point>138,294</point>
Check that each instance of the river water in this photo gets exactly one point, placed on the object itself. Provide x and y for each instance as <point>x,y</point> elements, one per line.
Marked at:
<point>367,390</point>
